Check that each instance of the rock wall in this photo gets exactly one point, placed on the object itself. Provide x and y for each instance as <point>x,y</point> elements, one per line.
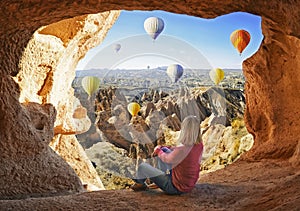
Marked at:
<point>52,115</point>
<point>35,93</point>
<point>272,93</point>
<point>46,74</point>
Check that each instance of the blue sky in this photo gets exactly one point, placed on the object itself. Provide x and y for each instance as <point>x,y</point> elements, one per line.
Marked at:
<point>189,37</point>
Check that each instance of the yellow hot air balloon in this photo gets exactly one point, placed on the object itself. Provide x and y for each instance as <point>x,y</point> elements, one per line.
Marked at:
<point>240,39</point>
<point>216,75</point>
<point>90,84</point>
<point>133,108</point>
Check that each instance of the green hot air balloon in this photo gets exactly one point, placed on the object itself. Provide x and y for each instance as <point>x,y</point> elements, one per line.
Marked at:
<point>90,84</point>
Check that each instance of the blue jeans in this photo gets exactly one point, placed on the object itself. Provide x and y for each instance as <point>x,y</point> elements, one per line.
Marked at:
<point>160,178</point>
<point>165,167</point>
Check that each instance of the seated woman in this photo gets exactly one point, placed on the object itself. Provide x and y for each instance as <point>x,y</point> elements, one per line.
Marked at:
<point>185,160</point>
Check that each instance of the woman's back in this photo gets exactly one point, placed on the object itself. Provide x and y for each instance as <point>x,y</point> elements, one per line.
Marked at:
<point>186,173</point>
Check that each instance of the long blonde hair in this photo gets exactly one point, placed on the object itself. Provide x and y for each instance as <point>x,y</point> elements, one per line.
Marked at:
<point>190,131</point>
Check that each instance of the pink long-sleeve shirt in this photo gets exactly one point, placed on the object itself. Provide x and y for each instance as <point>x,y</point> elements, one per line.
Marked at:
<point>185,162</point>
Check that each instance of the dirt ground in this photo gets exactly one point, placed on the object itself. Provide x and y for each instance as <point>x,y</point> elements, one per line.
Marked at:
<point>244,185</point>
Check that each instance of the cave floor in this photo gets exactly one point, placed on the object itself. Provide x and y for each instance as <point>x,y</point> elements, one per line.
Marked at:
<point>244,185</point>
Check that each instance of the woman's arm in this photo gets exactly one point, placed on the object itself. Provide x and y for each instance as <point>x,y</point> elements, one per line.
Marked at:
<point>175,156</point>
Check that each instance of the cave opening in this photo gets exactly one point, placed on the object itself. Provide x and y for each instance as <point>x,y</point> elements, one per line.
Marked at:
<point>67,50</point>
<point>129,63</point>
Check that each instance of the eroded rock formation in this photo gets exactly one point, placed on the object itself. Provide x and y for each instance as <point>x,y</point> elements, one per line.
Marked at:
<point>159,110</point>
<point>48,108</point>
<point>43,74</point>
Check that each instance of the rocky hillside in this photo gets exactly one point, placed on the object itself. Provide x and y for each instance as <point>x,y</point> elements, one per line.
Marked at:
<point>158,110</point>
<point>221,111</point>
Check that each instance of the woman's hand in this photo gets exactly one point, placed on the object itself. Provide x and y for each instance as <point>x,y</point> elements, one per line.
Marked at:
<point>166,149</point>
<point>156,150</point>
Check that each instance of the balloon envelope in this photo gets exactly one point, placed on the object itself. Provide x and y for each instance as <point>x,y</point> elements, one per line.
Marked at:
<point>175,71</point>
<point>240,39</point>
<point>90,84</point>
<point>153,26</point>
<point>117,47</point>
<point>133,108</point>
<point>216,75</point>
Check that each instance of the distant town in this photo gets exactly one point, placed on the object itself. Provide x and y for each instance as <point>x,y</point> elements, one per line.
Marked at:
<point>157,78</point>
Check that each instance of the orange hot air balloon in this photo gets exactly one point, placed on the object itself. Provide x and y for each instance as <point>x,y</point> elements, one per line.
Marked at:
<point>240,39</point>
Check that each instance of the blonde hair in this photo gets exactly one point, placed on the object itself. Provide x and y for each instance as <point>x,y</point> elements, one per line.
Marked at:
<point>190,131</point>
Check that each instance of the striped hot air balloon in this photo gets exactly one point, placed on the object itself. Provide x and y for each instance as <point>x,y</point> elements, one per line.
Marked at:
<point>216,75</point>
<point>153,26</point>
<point>90,84</point>
<point>240,39</point>
<point>174,71</point>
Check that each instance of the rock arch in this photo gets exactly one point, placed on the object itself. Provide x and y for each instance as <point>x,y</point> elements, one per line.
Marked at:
<point>29,115</point>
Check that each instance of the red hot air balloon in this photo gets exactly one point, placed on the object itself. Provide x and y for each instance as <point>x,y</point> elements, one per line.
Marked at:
<point>240,39</point>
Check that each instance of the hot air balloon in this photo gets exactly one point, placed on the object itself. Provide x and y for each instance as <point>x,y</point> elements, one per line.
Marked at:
<point>174,71</point>
<point>216,75</point>
<point>133,108</point>
<point>117,47</point>
<point>90,84</point>
<point>240,39</point>
<point>153,26</point>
